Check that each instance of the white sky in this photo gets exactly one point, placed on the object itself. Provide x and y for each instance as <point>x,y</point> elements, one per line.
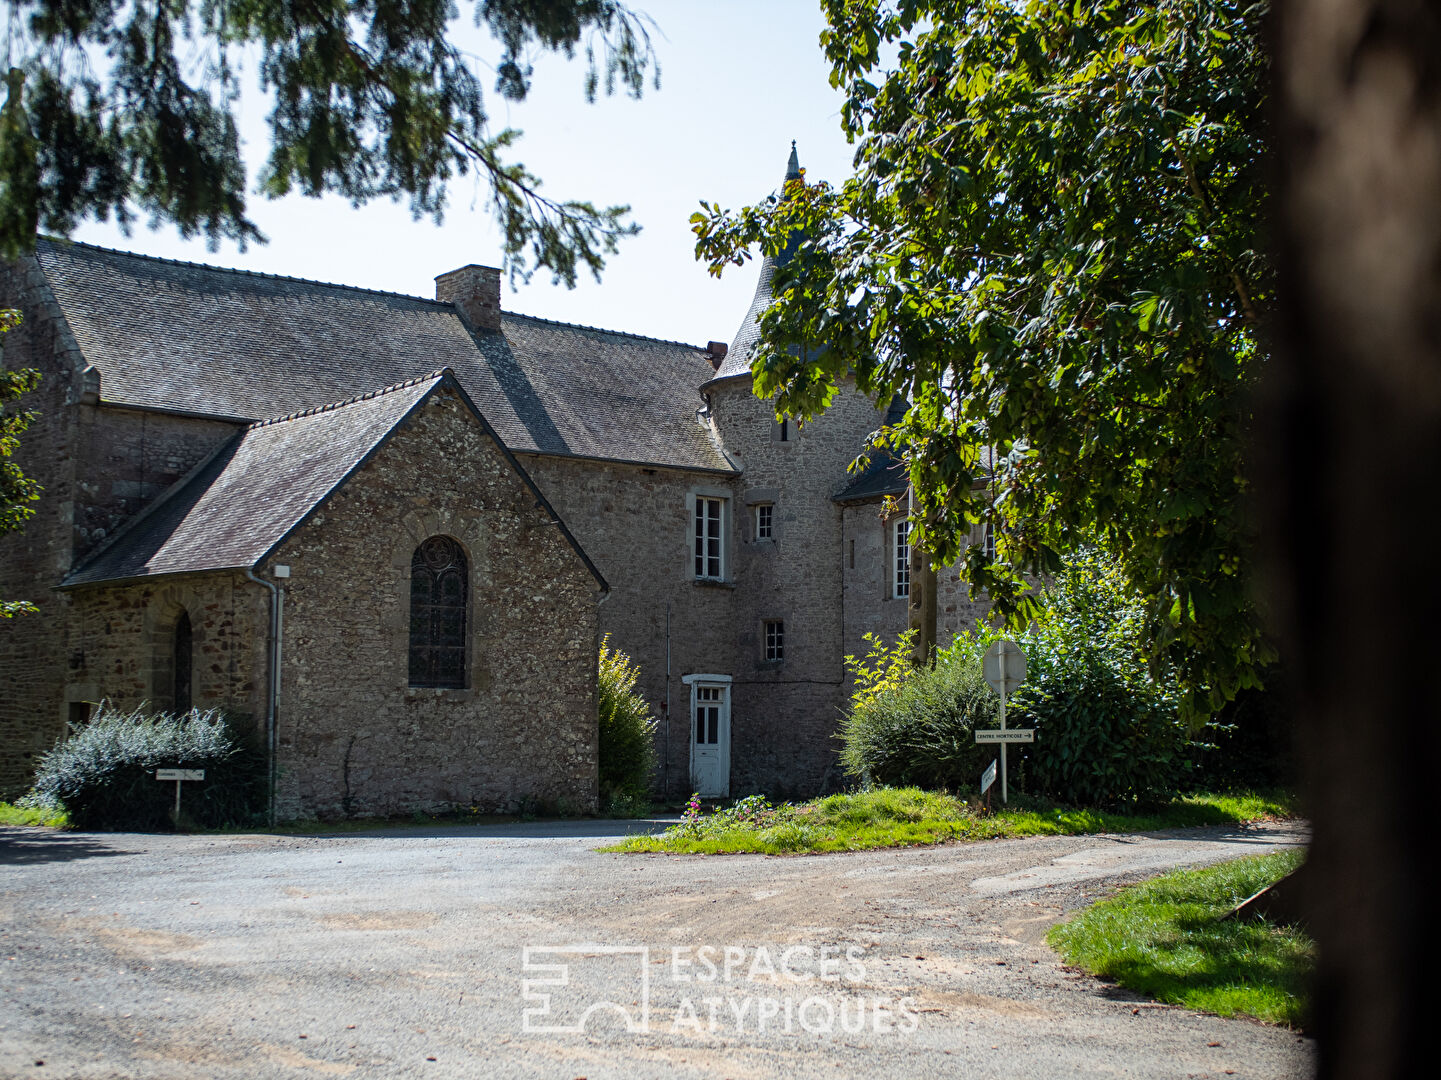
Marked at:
<point>739,80</point>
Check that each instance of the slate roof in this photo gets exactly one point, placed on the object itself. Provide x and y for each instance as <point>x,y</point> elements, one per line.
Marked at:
<point>737,361</point>
<point>238,504</point>
<point>185,337</point>
<point>886,474</point>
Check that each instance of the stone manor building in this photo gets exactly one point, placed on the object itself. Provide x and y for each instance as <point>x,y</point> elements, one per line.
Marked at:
<point>389,532</point>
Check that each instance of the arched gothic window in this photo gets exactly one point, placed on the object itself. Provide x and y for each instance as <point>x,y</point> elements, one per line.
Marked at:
<point>183,663</point>
<point>439,585</point>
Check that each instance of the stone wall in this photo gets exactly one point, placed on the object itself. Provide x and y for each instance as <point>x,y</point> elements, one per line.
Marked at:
<point>636,523</point>
<point>788,712</point>
<point>128,457</point>
<point>121,644</point>
<point>33,657</point>
<point>354,737</point>
<point>870,604</point>
<point>98,466</point>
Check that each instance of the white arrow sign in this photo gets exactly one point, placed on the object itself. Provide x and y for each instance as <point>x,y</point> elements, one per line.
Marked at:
<point>1018,734</point>
<point>180,774</point>
<point>988,777</point>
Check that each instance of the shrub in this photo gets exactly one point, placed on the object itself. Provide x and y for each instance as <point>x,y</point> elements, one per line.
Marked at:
<point>103,774</point>
<point>916,726</point>
<point>627,730</point>
<point>1107,731</point>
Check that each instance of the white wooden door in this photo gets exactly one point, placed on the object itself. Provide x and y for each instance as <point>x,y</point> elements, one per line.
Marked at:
<point>710,739</point>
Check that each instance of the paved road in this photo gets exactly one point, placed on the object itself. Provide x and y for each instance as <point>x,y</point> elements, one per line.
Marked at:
<point>404,955</point>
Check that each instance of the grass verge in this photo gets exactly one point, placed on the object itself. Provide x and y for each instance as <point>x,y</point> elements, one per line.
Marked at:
<point>1164,938</point>
<point>10,814</point>
<point>905,817</point>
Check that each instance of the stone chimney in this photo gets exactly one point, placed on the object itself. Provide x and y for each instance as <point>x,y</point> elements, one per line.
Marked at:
<point>475,291</point>
<point>716,352</point>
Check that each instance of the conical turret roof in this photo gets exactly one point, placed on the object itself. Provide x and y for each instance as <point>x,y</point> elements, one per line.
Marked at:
<point>738,357</point>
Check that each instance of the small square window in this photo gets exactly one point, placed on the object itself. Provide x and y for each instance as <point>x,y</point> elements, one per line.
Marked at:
<point>775,640</point>
<point>765,521</point>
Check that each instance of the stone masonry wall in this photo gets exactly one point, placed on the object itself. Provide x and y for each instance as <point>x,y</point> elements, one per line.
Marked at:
<point>786,713</point>
<point>121,644</point>
<point>98,466</point>
<point>33,657</point>
<point>634,522</point>
<point>870,606</point>
<point>128,457</point>
<point>354,737</point>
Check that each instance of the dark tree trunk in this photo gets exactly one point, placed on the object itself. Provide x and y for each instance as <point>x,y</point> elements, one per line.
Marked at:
<point>1350,460</point>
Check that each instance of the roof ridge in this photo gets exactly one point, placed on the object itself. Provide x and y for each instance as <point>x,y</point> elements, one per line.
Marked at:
<point>333,405</point>
<point>506,312</point>
<point>63,242</point>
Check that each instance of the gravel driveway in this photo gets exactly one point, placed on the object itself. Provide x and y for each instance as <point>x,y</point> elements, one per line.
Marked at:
<point>521,951</point>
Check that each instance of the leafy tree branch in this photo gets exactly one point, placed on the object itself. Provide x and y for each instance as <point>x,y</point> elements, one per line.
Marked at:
<point>128,109</point>
<point>1051,247</point>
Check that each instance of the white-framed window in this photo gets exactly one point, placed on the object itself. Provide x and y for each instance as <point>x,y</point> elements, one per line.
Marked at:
<point>765,517</point>
<point>901,578</point>
<point>775,635</point>
<point>709,537</point>
<point>988,542</point>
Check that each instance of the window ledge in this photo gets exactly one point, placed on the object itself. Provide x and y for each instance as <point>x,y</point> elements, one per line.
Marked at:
<point>442,693</point>
<point>712,583</point>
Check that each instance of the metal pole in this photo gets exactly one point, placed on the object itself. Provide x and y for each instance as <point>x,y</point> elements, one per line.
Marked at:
<point>177,801</point>
<point>1004,797</point>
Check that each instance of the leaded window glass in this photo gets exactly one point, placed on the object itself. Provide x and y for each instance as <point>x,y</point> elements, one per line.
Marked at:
<point>439,585</point>
<point>184,661</point>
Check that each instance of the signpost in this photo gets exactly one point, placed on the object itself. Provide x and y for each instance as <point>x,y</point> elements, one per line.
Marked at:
<point>1010,735</point>
<point>987,779</point>
<point>1004,667</point>
<point>179,776</point>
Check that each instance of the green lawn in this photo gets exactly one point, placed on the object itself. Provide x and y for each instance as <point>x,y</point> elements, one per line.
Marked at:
<point>903,817</point>
<point>1163,938</point>
<point>10,814</point>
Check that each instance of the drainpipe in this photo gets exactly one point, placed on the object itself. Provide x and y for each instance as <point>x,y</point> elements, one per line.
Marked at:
<point>272,695</point>
<point>665,762</point>
<point>595,655</point>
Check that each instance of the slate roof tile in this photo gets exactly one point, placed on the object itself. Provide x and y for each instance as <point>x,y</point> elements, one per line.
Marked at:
<point>182,336</point>
<point>236,505</point>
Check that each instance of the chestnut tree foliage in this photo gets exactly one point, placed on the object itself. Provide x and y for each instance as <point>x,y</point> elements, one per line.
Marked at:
<point>16,489</point>
<point>1051,247</point>
<point>128,108</point>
